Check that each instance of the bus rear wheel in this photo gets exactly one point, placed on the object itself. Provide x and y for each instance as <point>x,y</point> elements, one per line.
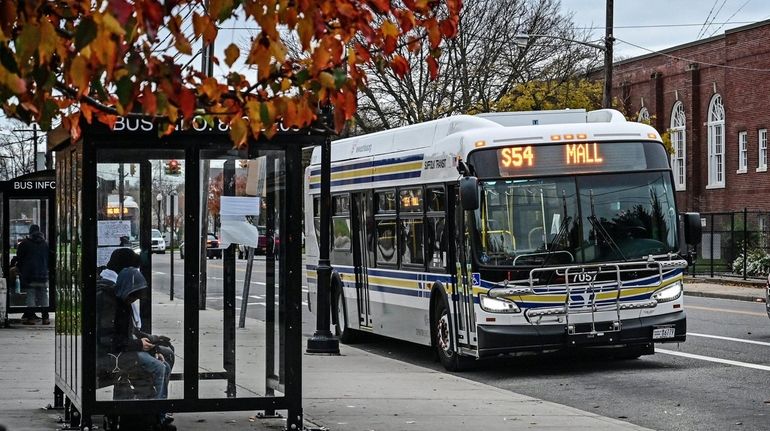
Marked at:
<point>442,340</point>
<point>345,334</point>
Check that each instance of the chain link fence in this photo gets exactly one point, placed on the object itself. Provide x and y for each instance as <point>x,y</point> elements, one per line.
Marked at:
<point>734,244</point>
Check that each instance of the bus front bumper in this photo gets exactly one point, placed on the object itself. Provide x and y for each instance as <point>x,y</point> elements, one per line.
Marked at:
<point>496,340</point>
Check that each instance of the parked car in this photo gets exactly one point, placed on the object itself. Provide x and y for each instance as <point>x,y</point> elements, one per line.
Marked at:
<point>158,242</point>
<point>212,248</point>
<point>262,243</point>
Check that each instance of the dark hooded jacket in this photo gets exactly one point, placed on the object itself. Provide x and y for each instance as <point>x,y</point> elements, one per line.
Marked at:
<point>33,257</point>
<point>126,337</point>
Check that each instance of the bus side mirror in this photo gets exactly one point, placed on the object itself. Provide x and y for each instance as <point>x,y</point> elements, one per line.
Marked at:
<point>692,229</point>
<point>469,193</point>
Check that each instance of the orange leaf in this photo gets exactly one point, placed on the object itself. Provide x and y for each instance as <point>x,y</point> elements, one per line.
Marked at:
<point>231,54</point>
<point>79,74</point>
<point>389,29</point>
<point>434,34</point>
<point>382,6</point>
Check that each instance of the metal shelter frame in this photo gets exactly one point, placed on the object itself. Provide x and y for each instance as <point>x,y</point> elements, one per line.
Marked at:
<point>76,201</point>
<point>37,185</point>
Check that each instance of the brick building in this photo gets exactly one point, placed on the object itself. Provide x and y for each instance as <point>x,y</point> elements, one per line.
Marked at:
<point>714,96</point>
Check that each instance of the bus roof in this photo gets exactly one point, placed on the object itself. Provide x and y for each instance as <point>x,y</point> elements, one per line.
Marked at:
<point>498,128</point>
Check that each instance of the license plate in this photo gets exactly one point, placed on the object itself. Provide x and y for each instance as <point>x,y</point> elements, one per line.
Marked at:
<point>661,333</point>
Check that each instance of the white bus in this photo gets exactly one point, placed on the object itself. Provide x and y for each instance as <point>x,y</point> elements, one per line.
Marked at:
<point>481,237</point>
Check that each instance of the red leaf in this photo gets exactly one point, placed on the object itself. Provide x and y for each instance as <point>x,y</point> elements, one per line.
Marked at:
<point>382,6</point>
<point>449,27</point>
<point>400,66</point>
<point>433,68</point>
<point>121,9</point>
<point>187,102</point>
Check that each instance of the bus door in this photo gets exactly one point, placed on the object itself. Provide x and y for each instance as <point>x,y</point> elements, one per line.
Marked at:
<point>464,314</point>
<point>363,248</point>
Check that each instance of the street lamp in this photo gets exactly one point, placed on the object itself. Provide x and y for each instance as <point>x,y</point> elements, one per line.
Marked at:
<point>521,40</point>
<point>159,198</point>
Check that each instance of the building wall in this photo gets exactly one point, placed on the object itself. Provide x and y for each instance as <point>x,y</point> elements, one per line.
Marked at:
<point>735,65</point>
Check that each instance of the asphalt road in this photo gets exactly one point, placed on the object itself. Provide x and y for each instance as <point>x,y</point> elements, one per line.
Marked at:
<point>719,379</point>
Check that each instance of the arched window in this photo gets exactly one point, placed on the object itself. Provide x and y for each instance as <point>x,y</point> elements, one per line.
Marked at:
<point>716,142</point>
<point>644,116</point>
<point>678,141</point>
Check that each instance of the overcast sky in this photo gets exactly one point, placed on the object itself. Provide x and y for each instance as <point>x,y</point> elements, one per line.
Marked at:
<point>668,16</point>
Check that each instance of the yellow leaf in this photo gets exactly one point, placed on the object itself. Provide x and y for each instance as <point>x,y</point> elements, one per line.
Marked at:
<point>278,50</point>
<point>285,84</point>
<point>389,29</point>
<point>327,80</point>
<point>238,131</point>
<point>111,24</point>
<point>231,54</point>
<point>79,75</point>
<point>48,40</point>
<point>305,32</point>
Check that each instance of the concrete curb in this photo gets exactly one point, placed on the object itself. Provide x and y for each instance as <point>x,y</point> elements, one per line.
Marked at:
<point>757,298</point>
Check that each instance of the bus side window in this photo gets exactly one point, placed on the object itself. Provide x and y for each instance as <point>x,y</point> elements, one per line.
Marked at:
<point>436,246</point>
<point>341,240</point>
<point>385,227</point>
<point>410,227</point>
<point>317,219</point>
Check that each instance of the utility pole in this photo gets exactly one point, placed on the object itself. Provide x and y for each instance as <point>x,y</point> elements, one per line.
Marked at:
<point>34,131</point>
<point>608,41</point>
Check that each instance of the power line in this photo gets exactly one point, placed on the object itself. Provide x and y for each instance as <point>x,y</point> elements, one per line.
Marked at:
<point>707,19</point>
<point>734,13</point>
<point>705,63</point>
<point>647,25</point>
<point>714,18</point>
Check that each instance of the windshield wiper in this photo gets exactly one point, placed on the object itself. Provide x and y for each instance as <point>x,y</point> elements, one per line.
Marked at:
<point>600,229</point>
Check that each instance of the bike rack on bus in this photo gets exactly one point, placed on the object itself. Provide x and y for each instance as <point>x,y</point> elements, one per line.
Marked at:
<point>588,289</point>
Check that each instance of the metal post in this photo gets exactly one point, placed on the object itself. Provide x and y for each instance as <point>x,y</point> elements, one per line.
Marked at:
<point>745,240</point>
<point>172,199</point>
<point>228,312</point>
<point>323,341</point>
<point>711,260</point>
<point>608,40</point>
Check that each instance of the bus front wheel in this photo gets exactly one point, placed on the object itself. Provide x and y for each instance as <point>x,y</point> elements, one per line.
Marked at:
<point>442,340</point>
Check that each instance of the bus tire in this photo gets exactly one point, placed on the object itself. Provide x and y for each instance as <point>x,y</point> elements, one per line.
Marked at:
<point>442,339</point>
<point>344,333</point>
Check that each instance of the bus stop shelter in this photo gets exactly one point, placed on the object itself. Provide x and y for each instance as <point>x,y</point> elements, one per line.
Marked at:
<point>27,200</point>
<point>113,188</point>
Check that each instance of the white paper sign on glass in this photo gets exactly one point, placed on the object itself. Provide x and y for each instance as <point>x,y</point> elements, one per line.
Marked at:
<point>110,232</point>
<point>239,217</point>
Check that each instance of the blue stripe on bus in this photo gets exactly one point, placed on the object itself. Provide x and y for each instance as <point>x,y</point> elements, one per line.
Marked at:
<point>386,177</point>
<point>370,163</point>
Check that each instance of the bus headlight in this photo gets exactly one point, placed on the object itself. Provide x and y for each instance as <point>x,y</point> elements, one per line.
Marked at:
<point>497,305</point>
<point>668,293</point>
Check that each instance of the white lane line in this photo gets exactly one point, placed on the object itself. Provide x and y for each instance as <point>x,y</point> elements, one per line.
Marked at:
<point>719,337</point>
<point>717,360</point>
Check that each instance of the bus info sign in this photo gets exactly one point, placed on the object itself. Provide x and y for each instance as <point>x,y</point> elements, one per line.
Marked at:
<point>568,158</point>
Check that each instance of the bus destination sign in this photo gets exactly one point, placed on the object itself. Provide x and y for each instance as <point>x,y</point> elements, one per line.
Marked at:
<point>565,157</point>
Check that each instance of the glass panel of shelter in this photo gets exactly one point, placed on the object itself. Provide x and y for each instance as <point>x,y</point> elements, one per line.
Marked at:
<point>23,213</point>
<point>68,272</point>
<point>135,307</point>
<point>244,197</point>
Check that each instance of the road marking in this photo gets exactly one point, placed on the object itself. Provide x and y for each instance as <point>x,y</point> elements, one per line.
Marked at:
<point>717,360</point>
<point>722,310</point>
<point>719,337</point>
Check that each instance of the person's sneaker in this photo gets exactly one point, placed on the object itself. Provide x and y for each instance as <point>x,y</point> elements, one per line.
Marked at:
<point>46,322</point>
<point>27,322</point>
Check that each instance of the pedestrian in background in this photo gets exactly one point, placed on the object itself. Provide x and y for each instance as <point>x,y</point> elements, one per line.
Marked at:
<point>32,255</point>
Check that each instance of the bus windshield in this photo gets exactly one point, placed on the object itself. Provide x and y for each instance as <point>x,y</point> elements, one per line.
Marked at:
<point>576,219</point>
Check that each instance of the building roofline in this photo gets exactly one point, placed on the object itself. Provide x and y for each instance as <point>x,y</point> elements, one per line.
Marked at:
<point>691,44</point>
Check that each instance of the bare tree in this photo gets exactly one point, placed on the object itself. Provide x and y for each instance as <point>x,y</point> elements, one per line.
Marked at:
<point>17,150</point>
<point>480,66</point>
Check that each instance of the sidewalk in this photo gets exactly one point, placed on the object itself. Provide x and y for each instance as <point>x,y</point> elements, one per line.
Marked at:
<point>725,289</point>
<point>354,391</point>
